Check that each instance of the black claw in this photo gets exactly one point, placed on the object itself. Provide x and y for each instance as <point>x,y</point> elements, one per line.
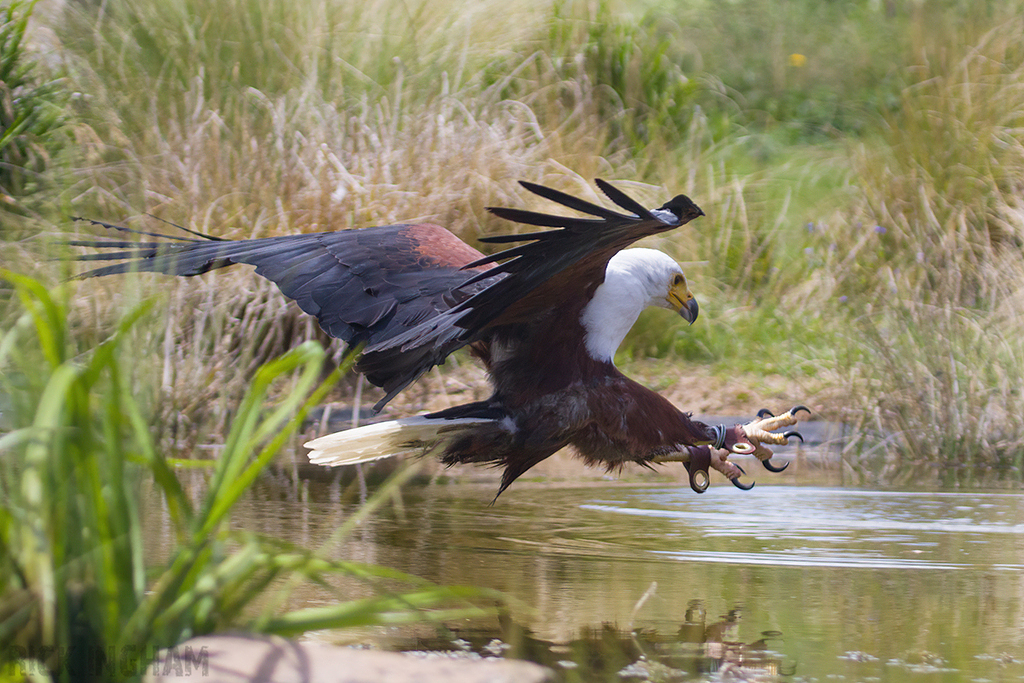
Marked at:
<point>764,412</point>
<point>741,486</point>
<point>796,409</point>
<point>738,484</point>
<point>775,468</point>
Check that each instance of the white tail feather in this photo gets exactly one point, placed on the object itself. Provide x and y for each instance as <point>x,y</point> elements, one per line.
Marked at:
<point>385,439</point>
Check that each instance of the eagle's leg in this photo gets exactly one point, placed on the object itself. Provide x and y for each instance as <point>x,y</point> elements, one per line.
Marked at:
<point>697,467</point>
<point>697,460</point>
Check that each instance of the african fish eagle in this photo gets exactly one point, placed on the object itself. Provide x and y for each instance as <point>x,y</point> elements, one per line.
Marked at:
<point>544,317</point>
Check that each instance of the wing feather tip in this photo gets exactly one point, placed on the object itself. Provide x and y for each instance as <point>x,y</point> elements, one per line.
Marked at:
<point>623,200</point>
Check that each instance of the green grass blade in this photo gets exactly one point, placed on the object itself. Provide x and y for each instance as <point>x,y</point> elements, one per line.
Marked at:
<point>232,480</point>
<point>47,314</point>
<point>431,604</point>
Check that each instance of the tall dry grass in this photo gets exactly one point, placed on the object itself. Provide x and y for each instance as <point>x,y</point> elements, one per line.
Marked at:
<point>932,263</point>
<point>938,397</point>
<point>231,126</point>
<point>318,132</point>
<point>949,184</point>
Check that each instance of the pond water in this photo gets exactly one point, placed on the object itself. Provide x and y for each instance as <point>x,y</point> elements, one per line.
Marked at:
<point>641,582</point>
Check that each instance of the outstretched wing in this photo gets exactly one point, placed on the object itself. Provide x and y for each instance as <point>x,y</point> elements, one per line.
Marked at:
<point>567,261</point>
<point>363,286</point>
<point>415,293</point>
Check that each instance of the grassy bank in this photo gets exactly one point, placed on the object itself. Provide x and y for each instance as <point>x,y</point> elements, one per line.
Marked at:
<point>861,166</point>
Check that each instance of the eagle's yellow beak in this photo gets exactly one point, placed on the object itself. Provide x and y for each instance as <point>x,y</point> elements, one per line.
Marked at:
<point>681,300</point>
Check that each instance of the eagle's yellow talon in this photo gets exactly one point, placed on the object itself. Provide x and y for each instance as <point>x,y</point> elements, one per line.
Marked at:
<point>762,431</point>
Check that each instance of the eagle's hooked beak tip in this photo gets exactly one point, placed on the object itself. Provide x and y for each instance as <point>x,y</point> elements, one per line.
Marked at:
<point>690,311</point>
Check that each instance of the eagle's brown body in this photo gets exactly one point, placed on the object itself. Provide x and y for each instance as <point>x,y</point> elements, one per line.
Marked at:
<point>553,394</point>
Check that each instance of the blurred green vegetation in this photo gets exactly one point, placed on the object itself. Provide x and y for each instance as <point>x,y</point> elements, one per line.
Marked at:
<point>31,112</point>
<point>80,593</point>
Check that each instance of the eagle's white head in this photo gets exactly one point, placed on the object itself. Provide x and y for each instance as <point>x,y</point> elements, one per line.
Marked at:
<point>633,280</point>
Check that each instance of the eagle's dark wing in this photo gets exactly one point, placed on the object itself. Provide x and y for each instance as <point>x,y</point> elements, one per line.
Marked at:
<point>363,286</point>
<point>567,262</point>
<point>415,293</point>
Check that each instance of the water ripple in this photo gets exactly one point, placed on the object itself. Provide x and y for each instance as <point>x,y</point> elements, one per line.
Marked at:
<point>810,525</point>
<point>791,560</point>
<point>828,528</point>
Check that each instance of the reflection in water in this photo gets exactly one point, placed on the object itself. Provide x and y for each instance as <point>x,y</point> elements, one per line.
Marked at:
<point>864,584</point>
<point>606,653</point>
